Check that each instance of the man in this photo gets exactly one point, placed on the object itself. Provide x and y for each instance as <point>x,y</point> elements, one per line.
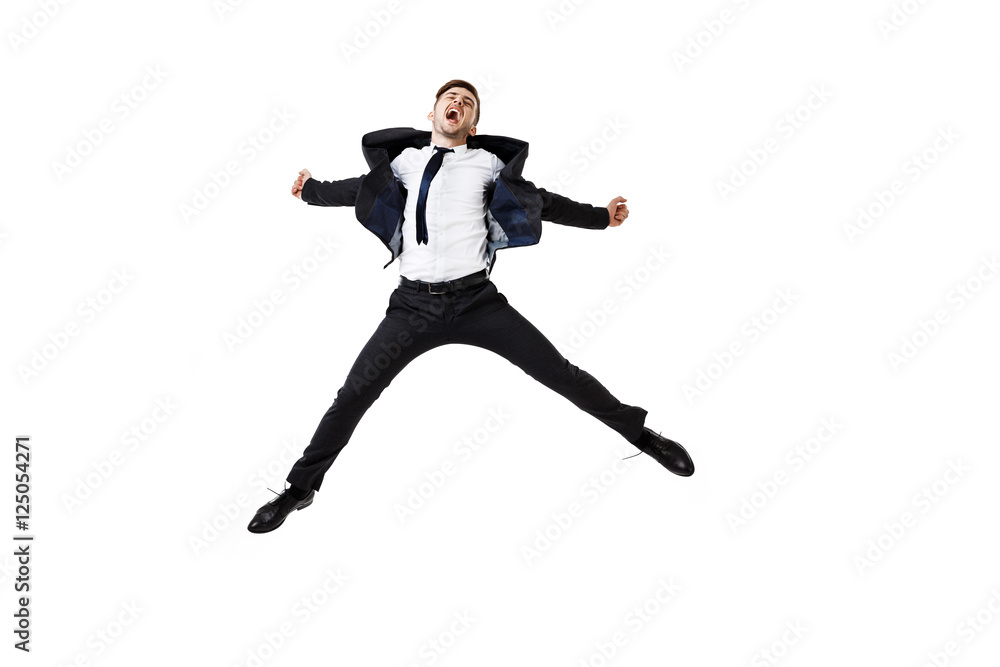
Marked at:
<point>444,202</point>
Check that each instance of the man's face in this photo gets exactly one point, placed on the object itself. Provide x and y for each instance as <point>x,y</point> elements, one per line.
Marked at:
<point>454,113</point>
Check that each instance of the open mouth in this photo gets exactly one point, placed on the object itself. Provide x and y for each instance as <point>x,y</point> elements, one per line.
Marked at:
<point>453,115</point>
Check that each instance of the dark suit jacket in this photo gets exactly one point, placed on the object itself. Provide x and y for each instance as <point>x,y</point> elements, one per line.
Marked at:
<point>515,208</point>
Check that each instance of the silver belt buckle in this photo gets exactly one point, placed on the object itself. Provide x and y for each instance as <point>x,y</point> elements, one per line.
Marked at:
<point>430,289</point>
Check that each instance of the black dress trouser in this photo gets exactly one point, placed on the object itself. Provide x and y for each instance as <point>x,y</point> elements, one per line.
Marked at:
<point>416,322</point>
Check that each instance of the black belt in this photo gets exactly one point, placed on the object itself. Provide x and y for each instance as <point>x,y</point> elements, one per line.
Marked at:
<point>448,285</point>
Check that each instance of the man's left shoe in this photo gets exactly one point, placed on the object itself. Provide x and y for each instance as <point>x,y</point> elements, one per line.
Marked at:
<point>275,511</point>
<point>668,453</point>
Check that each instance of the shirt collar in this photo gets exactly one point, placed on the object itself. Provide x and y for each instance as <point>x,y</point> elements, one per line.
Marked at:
<point>458,149</point>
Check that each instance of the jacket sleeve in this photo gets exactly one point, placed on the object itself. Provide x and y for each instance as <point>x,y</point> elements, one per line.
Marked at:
<point>331,193</point>
<point>564,211</point>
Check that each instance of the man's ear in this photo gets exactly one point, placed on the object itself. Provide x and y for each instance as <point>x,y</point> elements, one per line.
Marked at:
<point>430,116</point>
<point>472,131</point>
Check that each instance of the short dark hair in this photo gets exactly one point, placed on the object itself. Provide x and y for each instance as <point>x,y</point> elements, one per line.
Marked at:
<point>458,83</point>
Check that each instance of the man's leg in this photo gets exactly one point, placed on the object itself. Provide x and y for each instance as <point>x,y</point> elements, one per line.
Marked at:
<point>404,334</point>
<point>491,323</point>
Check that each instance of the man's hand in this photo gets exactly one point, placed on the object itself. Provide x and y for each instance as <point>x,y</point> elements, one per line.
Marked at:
<point>618,211</point>
<point>304,176</point>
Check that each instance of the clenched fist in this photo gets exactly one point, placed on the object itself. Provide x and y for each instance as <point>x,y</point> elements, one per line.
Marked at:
<point>304,176</point>
<point>618,211</point>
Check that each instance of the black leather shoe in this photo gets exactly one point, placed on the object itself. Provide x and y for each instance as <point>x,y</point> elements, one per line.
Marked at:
<point>669,454</point>
<point>273,514</point>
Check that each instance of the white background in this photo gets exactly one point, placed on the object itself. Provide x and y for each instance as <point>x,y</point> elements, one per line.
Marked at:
<point>845,549</point>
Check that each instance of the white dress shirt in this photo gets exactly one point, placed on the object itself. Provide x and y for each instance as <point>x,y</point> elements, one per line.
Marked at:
<point>455,214</point>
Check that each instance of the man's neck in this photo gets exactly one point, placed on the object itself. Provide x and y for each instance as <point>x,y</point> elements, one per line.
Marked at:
<point>441,140</point>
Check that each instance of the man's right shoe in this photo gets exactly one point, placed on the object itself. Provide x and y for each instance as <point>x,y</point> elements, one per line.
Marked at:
<point>274,513</point>
<point>669,454</point>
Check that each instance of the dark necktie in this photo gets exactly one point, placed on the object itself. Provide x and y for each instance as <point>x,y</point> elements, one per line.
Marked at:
<point>425,183</point>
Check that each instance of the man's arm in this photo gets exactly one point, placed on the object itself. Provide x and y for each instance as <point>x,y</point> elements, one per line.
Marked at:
<point>326,193</point>
<point>564,211</point>
<point>331,193</point>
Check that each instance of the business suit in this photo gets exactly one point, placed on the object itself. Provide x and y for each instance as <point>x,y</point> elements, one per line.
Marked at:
<point>515,211</point>
<point>418,321</point>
